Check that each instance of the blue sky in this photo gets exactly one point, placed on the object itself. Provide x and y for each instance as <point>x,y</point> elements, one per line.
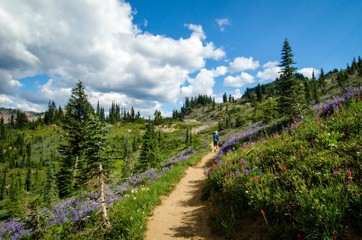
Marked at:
<point>151,54</point>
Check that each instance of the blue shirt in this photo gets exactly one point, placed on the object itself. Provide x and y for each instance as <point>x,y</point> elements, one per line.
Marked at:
<point>216,137</point>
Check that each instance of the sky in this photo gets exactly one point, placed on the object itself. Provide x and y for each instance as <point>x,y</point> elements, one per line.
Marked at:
<point>152,54</point>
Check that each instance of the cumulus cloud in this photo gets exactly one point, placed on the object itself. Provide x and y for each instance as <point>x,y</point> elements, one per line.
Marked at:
<point>8,84</point>
<point>204,82</point>
<point>222,22</point>
<point>237,93</point>
<point>242,64</point>
<point>96,42</point>
<point>238,81</point>
<point>307,72</point>
<point>270,71</point>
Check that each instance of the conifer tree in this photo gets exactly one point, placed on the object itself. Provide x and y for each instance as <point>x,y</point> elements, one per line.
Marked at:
<point>158,117</point>
<point>289,102</point>
<point>187,136</point>
<point>13,205</point>
<point>258,92</point>
<point>12,121</point>
<point>21,120</point>
<point>149,154</point>
<point>224,98</point>
<point>3,184</point>
<point>28,178</point>
<point>322,81</point>
<point>96,148</point>
<point>78,110</point>
<point>359,66</point>
<point>315,89</point>
<point>307,91</point>
<point>50,191</point>
<point>95,161</point>
<point>342,80</point>
<point>2,128</point>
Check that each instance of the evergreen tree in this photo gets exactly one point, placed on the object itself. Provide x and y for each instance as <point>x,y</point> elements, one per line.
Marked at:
<point>149,154</point>
<point>13,204</point>
<point>258,91</point>
<point>190,138</point>
<point>315,89</point>
<point>224,98</point>
<point>35,220</point>
<point>21,120</point>
<point>359,66</point>
<point>2,128</point>
<point>98,110</point>
<point>12,121</point>
<point>342,81</point>
<point>3,184</point>
<point>77,114</point>
<point>187,136</point>
<point>289,102</point>
<point>96,148</point>
<point>132,114</point>
<point>354,66</point>
<point>50,191</point>
<point>307,91</point>
<point>158,117</point>
<point>28,178</point>
<point>322,81</point>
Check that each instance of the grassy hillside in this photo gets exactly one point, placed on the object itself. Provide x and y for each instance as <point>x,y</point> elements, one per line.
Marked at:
<point>303,181</point>
<point>266,172</point>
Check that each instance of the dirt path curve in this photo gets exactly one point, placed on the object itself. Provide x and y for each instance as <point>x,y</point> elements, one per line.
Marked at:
<point>182,214</point>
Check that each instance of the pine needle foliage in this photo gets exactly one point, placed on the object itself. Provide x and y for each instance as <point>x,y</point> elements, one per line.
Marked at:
<point>78,110</point>
<point>290,101</point>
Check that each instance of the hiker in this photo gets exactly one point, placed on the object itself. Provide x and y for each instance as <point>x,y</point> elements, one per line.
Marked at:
<point>216,140</point>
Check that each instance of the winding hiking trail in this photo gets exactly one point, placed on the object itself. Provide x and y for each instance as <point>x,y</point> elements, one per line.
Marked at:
<point>182,214</point>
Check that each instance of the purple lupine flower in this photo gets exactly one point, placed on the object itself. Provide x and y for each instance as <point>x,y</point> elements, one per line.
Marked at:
<point>14,229</point>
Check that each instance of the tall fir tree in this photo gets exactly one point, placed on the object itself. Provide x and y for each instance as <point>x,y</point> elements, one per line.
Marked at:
<point>96,148</point>
<point>322,81</point>
<point>78,110</point>
<point>307,91</point>
<point>290,100</point>
<point>149,154</point>
<point>50,191</point>
<point>315,89</point>
<point>224,98</point>
<point>3,183</point>
<point>258,91</point>
<point>342,80</point>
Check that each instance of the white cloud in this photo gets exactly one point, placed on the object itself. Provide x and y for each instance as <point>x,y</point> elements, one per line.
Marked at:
<point>220,71</point>
<point>241,64</point>
<point>270,72</point>
<point>8,84</point>
<point>96,42</point>
<point>307,72</point>
<point>222,23</point>
<point>201,84</point>
<point>204,82</point>
<point>238,81</point>
<point>237,94</point>
<point>197,31</point>
<point>4,99</point>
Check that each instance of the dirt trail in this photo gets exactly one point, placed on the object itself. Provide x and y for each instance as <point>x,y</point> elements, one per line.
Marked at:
<point>182,214</point>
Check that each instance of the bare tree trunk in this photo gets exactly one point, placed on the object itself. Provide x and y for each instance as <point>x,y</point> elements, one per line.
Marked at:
<point>75,171</point>
<point>106,222</point>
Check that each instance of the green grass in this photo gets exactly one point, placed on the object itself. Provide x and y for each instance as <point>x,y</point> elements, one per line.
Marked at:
<point>303,182</point>
<point>129,216</point>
